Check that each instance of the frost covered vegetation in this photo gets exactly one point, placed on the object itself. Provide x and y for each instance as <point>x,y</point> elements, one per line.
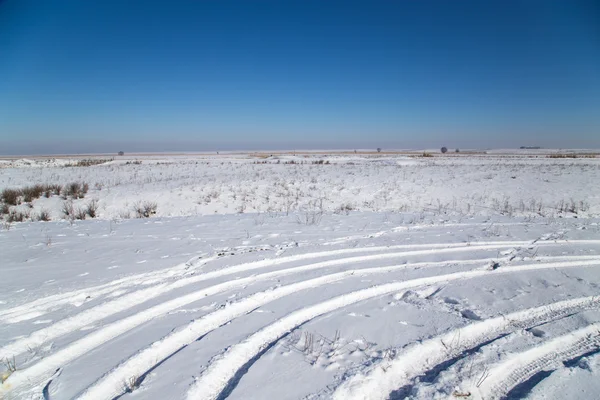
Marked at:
<point>291,277</point>
<point>450,185</point>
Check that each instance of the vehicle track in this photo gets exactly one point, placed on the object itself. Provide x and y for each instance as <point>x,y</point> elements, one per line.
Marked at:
<point>40,306</point>
<point>547,357</point>
<point>129,300</point>
<point>112,384</point>
<point>224,370</point>
<point>385,376</point>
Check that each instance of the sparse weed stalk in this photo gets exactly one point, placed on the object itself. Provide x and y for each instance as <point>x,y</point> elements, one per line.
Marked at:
<point>92,208</point>
<point>80,213</point>
<point>10,366</point>
<point>68,209</point>
<point>132,384</point>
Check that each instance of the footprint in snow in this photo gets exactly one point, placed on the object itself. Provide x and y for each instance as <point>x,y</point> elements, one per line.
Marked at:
<point>84,274</point>
<point>537,332</point>
<point>450,300</point>
<point>42,321</point>
<point>469,314</point>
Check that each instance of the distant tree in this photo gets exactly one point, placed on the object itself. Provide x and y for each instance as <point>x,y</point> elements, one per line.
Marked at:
<point>457,151</point>
<point>444,150</point>
<point>121,153</point>
<point>379,149</point>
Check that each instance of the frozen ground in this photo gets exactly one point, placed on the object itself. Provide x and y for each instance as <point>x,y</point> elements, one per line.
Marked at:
<point>228,184</point>
<point>398,295</point>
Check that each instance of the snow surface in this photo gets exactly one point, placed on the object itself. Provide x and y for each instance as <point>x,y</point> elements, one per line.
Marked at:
<point>406,293</point>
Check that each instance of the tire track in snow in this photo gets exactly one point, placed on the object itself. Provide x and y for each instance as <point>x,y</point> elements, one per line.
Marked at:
<point>408,228</point>
<point>35,375</point>
<point>41,306</point>
<point>29,379</point>
<point>226,369</point>
<point>550,355</point>
<point>385,376</point>
<point>123,303</point>
<point>112,384</point>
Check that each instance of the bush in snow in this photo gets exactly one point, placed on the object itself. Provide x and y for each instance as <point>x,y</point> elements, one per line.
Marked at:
<point>77,190</point>
<point>92,208</point>
<point>11,196</point>
<point>44,215</point>
<point>145,209</point>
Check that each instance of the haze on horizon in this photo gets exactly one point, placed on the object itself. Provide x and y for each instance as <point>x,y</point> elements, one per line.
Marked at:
<point>141,76</point>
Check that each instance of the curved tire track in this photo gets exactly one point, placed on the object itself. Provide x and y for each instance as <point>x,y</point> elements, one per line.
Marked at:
<point>224,369</point>
<point>520,367</point>
<point>104,310</point>
<point>112,384</point>
<point>32,377</point>
<point>385,376</point>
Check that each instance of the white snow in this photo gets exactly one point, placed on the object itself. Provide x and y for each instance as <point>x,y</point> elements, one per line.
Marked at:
<point>362,277</point>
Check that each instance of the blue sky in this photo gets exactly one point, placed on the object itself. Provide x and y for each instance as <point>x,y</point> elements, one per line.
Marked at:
<point>84,76</point>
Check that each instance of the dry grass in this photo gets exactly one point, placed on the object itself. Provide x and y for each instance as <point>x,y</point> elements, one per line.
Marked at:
<point>89,162</point>
<point>11,196</point>
<point>572,155</point>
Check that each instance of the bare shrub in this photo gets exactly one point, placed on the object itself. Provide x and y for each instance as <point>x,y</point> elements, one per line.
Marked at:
<point>145,209</point>
<point>92,208</point>
<point>17,216</point>
<point>344,209</point>
<point>68,209</point>
<point>312,213</point>
<point>80,213</point>
<point>4,209</point>
<point>44,215</point>
<point>11,196</point>
<point>76,190</point>
<point>31,193</point>
<point>444,150</point>
<point>52,189</point>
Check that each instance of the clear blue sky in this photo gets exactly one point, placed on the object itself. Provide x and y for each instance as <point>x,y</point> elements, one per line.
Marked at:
<point>85,75</point>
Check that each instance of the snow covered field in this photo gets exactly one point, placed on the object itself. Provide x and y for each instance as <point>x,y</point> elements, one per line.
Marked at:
<point>305,277</point>
<point>228,184</point>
